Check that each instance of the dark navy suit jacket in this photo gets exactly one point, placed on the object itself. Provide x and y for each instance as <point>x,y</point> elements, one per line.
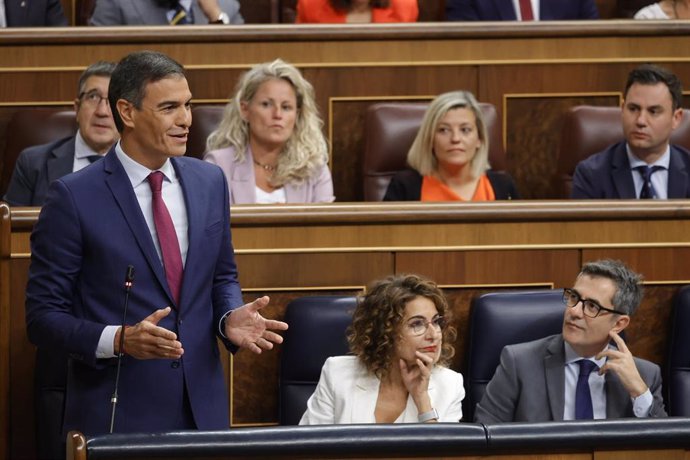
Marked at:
<point>607,175</point>
<point>503,10</point>
<point>36,168</point>
<point>34,13</point>
<point>90,229</point>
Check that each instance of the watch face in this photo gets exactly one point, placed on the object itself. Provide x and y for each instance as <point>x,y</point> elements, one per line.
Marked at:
<point>223,18</point>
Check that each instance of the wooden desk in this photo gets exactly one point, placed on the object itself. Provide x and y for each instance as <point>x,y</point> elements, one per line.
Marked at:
<point>292,251</point>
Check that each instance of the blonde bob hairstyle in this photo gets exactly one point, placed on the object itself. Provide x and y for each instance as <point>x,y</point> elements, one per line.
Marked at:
<point>305,151</point>
<point>378,320</point>
<point>421,156</point>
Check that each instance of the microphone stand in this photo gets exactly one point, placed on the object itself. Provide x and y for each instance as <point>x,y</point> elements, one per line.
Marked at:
<point>129,278</point>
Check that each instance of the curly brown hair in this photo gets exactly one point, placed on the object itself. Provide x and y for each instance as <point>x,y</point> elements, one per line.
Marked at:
<point>376,321</point>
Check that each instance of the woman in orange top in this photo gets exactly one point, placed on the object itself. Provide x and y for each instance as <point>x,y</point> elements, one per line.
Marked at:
<point>450,157</point>
<point>356,11</point>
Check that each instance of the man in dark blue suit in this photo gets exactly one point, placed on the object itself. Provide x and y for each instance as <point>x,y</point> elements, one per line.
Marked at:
<point>509,10</point>
<point>168,216</point>
<point>645,165</point>
<point>34,13</point>
<point>40,165</point>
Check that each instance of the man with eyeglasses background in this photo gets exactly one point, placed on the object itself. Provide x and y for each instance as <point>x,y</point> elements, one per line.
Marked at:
<point>585,372</point>
<point>35,169</point>
<point>40,165</point>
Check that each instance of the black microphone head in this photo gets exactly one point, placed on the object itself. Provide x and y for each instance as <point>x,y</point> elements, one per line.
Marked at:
<point>129,277</point>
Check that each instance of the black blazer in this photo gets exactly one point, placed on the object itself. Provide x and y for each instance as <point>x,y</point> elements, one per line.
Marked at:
<point>36,168</point>
<point>607,175</point>
<point>34,13</point>
<point>407,186</point>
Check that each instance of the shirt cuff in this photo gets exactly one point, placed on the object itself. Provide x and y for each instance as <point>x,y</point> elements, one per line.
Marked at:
<point>642,405</point>
<point>106,344</point>
<point>221,325</point>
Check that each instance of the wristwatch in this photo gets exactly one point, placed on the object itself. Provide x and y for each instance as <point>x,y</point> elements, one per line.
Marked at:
<point>426,416</point>
<point>223,19</point>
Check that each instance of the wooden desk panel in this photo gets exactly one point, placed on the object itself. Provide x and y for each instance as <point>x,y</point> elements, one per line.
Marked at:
<point>292,251</point>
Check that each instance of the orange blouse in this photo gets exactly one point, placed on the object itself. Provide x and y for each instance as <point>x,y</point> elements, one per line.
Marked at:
<point>435,190</point>
<point>321,11</point>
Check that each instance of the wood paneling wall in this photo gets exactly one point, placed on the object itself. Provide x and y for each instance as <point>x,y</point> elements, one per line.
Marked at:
<point>469,249</point>
<point>532,73</point>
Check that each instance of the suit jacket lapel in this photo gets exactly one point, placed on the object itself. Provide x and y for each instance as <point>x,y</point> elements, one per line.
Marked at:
<point>191,185</point>
<point>121,188</point>
<point>617,398</point>
<point>61,161</point>
<point>677,176</point>
<point>364,400</point>
<point>621,174</point>
<point>242,183</point>
<point>554,368</point>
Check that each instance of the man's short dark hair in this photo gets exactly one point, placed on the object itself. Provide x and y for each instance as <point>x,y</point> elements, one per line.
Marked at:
<point>629,293</point>
<point>650,74</point>
<point>133,73</point>
<point>97,69</point>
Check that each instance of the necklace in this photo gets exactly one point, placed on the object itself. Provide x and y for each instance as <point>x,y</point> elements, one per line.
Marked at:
<point>266,167</point>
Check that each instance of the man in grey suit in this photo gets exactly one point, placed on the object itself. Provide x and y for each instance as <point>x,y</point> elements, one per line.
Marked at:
<point>40,165</point>
<point>164,12</point>
<point>578,374</point>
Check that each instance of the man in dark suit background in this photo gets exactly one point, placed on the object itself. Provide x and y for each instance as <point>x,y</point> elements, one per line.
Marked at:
<point>645,165</point>
<point>163,12</point>
<point>510,10</point>
<point>577,374</point>
<point>40,165</point>
<point>34,13</point>
<point>168,216</point>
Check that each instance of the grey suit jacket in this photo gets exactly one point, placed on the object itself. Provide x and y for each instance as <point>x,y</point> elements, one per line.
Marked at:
<point>529,386</point>
<point>152,12</point>
<point>36,168</point>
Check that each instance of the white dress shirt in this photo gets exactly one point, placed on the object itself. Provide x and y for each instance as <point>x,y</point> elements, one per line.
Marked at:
<point>82,152</point>
<point>659,179</point>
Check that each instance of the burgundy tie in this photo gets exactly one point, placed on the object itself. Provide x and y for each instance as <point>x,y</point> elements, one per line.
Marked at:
<point>167,238</point>
<point>526,10</point>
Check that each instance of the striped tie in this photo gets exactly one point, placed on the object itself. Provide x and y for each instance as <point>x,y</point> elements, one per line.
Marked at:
<point>181,17</point>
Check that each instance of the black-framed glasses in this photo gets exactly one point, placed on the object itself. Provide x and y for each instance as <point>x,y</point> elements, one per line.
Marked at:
<point>93,98</point>
<point>590,307</point>
<point>419,326</point>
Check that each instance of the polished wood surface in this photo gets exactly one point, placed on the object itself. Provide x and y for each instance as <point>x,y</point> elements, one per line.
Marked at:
<point>292,251</point>
<point>532,73</point>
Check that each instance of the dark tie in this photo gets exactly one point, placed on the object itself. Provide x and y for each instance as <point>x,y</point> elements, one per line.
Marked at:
<point>526,10</point>
<point>167,238</point>
<point>181,16</point>
<point>583,398</point>
<point>646,172</point>
<point>93,158</point>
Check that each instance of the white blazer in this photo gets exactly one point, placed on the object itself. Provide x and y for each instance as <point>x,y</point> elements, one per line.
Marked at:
<point>347,393</point>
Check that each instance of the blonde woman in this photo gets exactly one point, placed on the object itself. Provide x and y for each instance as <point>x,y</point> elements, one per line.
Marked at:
<point>269,143</point>
<point>450,157</point>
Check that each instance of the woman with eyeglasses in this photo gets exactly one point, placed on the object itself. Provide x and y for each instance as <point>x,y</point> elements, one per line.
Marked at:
<point>401,341</point>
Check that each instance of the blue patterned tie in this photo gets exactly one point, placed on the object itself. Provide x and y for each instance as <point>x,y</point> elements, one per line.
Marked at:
<point>583,397</point>
<point>646,172</point>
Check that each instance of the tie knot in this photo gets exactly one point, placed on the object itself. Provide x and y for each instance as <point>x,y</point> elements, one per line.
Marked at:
<point>586,367</point>
<point>93,158</point>
<point>647,171</point>
<point>156,181</point>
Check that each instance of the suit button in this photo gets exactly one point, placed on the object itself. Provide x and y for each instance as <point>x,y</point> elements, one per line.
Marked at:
<point>175,364</point>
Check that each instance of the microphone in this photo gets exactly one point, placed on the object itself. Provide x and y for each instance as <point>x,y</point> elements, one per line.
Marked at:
<point>129,279</point>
